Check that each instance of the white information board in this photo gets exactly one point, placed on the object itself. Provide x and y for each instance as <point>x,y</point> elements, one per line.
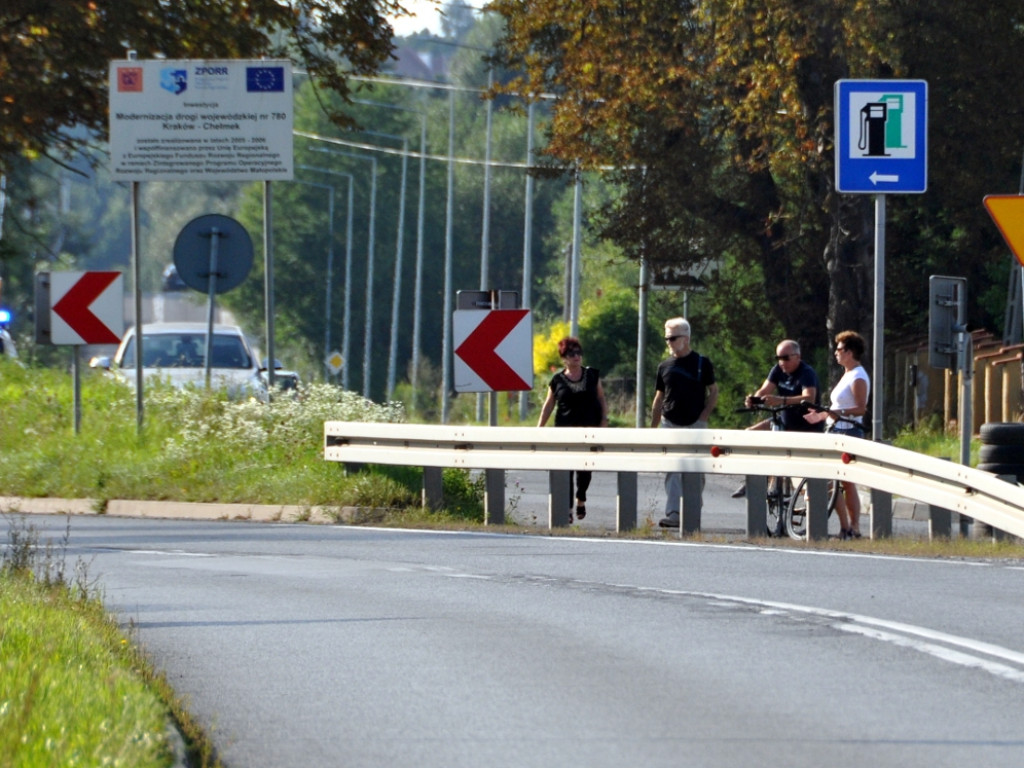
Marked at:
<point>201,120</point>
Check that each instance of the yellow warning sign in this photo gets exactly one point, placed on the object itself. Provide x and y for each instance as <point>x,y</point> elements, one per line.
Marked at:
<point>1007,211</point>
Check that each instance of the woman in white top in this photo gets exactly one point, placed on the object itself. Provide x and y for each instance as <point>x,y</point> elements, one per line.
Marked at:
<point>849,404</point>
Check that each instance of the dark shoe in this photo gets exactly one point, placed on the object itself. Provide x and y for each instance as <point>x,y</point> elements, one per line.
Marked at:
<point>671,520</point>
<point>845,534</point>
<point>581,511</point>
<point>740,492</point>
<point>854,534</point>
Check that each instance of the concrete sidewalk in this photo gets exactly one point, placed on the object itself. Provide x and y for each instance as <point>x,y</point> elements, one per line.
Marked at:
<point>179,510</point>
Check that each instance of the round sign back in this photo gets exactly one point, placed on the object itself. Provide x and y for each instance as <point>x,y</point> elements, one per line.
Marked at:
<point>205,237</point>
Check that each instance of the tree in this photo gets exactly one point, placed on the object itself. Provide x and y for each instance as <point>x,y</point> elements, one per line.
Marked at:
<point>54,55</point>
<point>717,117</point>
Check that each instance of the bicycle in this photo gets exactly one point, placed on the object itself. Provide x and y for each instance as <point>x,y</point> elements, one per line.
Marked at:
<point>796,510</point>
<point>780,488</point>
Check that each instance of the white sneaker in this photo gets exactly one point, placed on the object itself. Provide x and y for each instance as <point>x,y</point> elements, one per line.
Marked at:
<point>671,520</point>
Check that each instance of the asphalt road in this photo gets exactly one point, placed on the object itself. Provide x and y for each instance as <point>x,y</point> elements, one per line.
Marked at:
<point>318,645</point>
<point>526,502</point>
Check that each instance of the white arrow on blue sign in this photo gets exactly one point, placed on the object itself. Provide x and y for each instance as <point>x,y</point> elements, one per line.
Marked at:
<point>881,136</point>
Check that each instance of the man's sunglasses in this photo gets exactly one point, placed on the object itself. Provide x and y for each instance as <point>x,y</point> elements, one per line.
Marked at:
<point>673,338</point>
<point>784,358</point>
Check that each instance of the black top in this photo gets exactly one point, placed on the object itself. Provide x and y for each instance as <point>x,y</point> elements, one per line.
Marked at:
<point>684,380</point>
<point>576,403</point>
<point>793,385</point>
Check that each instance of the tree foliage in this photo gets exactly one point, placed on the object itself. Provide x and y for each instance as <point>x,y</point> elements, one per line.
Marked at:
<point>717,117</point>
<point>54,54</point>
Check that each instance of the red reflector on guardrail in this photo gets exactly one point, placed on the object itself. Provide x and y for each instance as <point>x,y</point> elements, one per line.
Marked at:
<point>717,451</point>
<point>847,458</point>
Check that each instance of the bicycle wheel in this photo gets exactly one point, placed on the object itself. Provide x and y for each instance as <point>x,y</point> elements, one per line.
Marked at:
<point>796,509</point>
<point>776,502</point>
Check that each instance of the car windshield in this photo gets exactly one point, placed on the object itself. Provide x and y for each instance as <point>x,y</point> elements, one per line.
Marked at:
<point>187,350</point>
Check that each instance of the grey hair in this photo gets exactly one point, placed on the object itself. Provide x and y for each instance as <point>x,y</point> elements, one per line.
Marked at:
<point>679,323</point>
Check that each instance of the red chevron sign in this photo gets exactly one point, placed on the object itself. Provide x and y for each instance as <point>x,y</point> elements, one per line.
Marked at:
<point>86,307</point>
<point>493,350</point>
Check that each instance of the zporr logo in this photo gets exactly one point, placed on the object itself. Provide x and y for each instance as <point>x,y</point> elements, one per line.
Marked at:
<point>174,80</point>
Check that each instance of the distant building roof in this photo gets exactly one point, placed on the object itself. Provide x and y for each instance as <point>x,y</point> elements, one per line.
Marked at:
<point>419,65</point>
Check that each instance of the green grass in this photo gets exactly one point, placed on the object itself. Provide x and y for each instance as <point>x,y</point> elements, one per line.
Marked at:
<point>70,692</point>
<point>194,446</point>
<point>73,689</point>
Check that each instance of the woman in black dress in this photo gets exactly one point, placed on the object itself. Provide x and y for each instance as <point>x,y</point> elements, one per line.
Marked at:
<point>576,396</point>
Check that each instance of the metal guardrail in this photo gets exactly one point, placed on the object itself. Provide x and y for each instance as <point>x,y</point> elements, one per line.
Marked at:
<point>886,470</point>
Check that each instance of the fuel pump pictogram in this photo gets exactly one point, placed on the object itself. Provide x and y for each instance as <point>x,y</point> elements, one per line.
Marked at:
<point>872,129</point>
<point>881,126</point>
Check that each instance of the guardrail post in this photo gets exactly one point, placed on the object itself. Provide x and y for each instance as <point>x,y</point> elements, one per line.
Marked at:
<point>881,514</point>
<point>996,533</point>
<point>693,490</point>
<point>940,522</point>
<point>433,488</point>
<point>558,498</point>
<point>817,508</point>
<point>757,505</point>
<point>625,504</point>
<point>494,496</point>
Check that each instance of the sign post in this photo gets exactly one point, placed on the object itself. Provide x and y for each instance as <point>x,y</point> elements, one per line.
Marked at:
<point>881,143</point>
<point>201,120</point>
<point>85,308</point>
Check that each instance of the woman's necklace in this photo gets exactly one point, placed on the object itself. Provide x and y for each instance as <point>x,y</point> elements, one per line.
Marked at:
<point>575,385</point>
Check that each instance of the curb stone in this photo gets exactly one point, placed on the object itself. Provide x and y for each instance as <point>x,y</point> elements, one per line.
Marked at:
<point>180,510</point>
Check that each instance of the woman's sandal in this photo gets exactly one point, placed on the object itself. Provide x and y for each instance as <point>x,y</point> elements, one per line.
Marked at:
<point>581,511</point>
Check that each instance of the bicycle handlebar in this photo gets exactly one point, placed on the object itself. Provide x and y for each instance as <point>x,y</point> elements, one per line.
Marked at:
<point>762,408</point>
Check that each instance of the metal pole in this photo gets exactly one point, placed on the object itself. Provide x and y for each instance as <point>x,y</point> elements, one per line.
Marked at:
<point>396,295</point>
<point>485,229</point>
<point>446,342</point>
<point>417,309</point>
<point>137,291</point>
<point>966,393</point>
<point>524,397</point>
<point>368,328</point>
<point>577,260</point>
<point>76,385</point>
<point>878,359</point>
<point>641,343</point>
<point>268,279</point>
<point>330,273</point>
<point>211,292</point>
<point>346,340</point>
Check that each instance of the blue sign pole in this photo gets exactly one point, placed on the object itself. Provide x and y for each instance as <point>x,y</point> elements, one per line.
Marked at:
<point>881,145</point>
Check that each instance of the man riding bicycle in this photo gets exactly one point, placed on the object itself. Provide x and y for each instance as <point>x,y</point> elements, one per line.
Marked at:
<point>790,382</point>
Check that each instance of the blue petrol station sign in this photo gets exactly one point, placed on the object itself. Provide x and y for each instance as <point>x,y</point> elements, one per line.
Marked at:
<point>881,136</point>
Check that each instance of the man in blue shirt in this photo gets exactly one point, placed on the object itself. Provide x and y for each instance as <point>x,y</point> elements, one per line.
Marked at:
<point>790,382</point>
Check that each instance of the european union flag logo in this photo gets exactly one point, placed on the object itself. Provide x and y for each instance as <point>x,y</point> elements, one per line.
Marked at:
<point>266,79</point>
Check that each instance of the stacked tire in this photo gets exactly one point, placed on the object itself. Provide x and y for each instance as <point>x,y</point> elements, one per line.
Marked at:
<point>1002,453</point>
